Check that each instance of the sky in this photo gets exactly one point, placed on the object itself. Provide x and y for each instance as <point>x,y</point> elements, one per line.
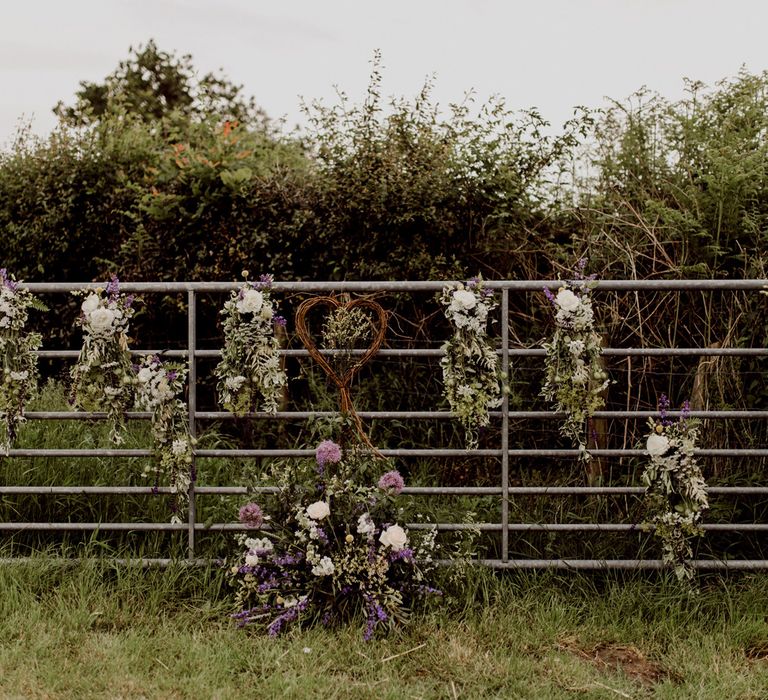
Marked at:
<point>547,54</point>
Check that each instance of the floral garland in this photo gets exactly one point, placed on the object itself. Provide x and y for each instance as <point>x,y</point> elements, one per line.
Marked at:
<point>19,361</point>
<point>676,493</point>
<point>334,547</point>
<point>158,386</point>
<point>471,378</point>
<point>103,378</point>
<point>250,369</point>
<point>575,380</point>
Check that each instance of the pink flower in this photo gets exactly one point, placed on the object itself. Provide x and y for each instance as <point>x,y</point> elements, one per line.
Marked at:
<point>251,516</point>
<point>392,481</point>
<point>328,452</point>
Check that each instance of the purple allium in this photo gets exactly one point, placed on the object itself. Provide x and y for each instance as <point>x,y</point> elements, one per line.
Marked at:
<point>327,452</point>
<point>279,321</point>
<point>171,375</point>
<point>251,516</point>
<point>392,482</point>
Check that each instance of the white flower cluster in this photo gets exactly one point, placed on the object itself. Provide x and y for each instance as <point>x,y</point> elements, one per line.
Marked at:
<point>471,377</point>
<point>575,379</point>
<point>158,389</point>
<point>103,378</point>
<point>676,492</point>
<point>18,360</point>
<point>250,375</point>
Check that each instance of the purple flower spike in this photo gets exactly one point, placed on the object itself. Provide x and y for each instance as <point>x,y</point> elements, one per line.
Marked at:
<point>392,482</point>
<point>113,287</point>
<point>327,452</point>
<point>663,408</point>
<point>550,296</point>
<point>251,516</point>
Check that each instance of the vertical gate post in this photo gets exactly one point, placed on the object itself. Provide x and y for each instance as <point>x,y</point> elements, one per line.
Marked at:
<point>192,408</point>
<point>505,425</point>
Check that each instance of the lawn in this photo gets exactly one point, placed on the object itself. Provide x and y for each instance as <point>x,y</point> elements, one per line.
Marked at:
<point>96,631</point>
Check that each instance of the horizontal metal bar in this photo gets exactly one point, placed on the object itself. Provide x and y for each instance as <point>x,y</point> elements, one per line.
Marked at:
<point>405,452</point>
<point>396,415</point>
<point>80,453</point>
<point>602,564</point>
<point>436,352</point>
<point>407,491</point>
<point>563,564</point>
<point>445,452</point>
<point>443,527</point>
<point>406,286</point>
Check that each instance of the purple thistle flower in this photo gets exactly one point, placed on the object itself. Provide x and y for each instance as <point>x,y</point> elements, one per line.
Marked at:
<point>251,515</point>
<point>392,482</point>
<point>171,375</point>
<point>279,321</point>
<point>327,452</point>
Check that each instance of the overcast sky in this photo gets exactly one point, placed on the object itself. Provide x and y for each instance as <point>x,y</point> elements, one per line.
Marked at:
<point>549,54</point>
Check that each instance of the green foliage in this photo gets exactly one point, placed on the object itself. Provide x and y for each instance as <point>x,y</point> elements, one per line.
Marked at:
<point>154,84</point>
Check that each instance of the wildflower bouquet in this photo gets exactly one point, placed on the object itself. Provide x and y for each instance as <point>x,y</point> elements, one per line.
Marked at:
<point>19,361</point>
<point>676,493</point>
<point>470,365</point>
<point>158,386</point>
<point>103,378</point>
<point>250,371</point>
<point>575,379</point>
<point>332,547</point>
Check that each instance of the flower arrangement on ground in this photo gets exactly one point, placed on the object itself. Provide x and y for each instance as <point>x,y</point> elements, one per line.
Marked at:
<point>103,378</point>
<point>471,377</point>
<point>332,546</point>
<point>159,386</point>
<point>249,374</point>
<point>676,493</point>
<point>19,361</point>
<point>575,379</point>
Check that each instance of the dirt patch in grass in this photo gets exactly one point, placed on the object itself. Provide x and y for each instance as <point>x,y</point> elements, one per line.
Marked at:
<point>626,658</point>
<point>757,650</point>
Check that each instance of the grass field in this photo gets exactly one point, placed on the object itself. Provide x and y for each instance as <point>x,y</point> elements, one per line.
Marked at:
<point>95,631</point>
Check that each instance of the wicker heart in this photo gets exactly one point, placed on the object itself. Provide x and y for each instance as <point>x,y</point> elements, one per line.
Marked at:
<point>331,303</point>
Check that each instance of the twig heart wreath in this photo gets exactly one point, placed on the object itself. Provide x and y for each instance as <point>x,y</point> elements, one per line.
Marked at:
<point>343,380</point>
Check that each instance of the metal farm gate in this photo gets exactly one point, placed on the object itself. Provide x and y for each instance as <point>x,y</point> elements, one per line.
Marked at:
<point>502,492</point>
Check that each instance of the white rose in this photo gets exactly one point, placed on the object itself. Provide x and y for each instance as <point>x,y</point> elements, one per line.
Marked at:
<point>251,302</point>
<point>91,303</point>
<point>145,374</point>
<point>657,445</point>
<point>464,299</point>
<point>251,560</point>
<point>101,320</point>
<point>318,510</point>
<point>394,536</point>
<point>567,300</point>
